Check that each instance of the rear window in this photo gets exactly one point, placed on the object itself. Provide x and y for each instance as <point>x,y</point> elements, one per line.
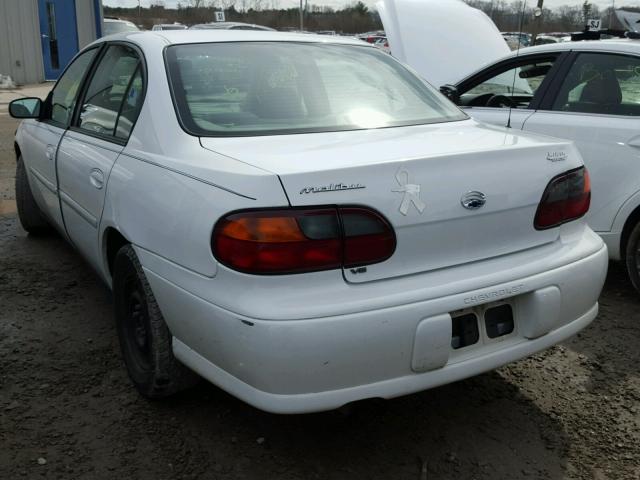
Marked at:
<point>269,88</point>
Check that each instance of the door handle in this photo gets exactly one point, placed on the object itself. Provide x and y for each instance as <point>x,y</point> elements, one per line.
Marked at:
<point>96,178</point>
<point>49,152</point>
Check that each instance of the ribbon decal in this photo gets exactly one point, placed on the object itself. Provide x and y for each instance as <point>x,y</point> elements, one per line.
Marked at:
<point>411,193</point>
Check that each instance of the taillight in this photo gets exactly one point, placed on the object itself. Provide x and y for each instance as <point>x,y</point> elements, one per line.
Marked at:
<point>566,198</point>
<point>295,240</point>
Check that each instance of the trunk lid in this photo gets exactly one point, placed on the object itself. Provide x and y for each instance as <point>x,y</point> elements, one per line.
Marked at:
<point>418,178</point>
<point>443,40</point>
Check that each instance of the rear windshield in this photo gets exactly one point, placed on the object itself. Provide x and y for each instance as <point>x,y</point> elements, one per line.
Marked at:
<point>270,88</point>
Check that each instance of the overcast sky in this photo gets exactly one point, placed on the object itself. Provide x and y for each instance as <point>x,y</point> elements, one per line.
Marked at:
<point>341,3</point>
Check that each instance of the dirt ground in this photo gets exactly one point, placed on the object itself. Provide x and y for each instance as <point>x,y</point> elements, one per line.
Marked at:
<point>67,409</point>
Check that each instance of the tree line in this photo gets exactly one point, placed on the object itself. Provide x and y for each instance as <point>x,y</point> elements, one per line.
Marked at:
<point>354,18</point>
<point>509,16</point>
<point>357,17</point>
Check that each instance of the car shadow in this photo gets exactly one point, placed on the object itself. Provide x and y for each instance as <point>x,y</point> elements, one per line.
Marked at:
<point>483,427</point>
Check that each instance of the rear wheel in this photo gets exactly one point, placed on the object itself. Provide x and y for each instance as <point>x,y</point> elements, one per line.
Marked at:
<point>145,339</point>
<point>30,215</point>
<point>632,257</point>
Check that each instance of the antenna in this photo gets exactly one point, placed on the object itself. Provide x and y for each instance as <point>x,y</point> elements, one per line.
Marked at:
<point>513,86</point>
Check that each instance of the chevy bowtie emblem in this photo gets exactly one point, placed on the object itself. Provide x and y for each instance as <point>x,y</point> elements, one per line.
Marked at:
<point>411,193</point>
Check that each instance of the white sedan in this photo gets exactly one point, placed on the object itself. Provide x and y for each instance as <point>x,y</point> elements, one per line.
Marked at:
<point>303,221</point>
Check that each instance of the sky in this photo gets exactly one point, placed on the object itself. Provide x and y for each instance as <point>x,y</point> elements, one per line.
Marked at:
<point>371,3</point>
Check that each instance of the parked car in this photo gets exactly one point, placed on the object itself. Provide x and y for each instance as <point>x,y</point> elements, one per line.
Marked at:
<point>301,220</point>
<point>587,92</point>
<point>383,44</point>
<point>517,40</point>
<point>230,26</point>
<point>111,26</point>
<point>169,26</point>
<point>544,39</point>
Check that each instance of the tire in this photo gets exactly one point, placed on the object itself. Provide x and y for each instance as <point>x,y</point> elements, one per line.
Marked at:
<point>632,257</point>
<point>30,215</point>
<point>145,339</point>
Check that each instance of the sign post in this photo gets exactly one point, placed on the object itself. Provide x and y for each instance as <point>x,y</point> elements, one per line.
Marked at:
<point>220,16</point>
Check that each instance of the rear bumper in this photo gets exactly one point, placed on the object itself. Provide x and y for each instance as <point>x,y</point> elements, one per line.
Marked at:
<point>313,364</point>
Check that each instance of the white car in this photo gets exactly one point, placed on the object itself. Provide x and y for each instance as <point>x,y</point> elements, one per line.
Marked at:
<point>230,26</point>
<point>168,26</point>
<point>303,221</point>
<point>587,92</point>
<point>112,26</point>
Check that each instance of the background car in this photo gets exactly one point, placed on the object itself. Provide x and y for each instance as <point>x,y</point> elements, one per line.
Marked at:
<point>301,219</point>
<point>111,26</point>
<point>517,40</point>
<point>383,44</point>
<point>169,26</point>
<point>587,92</point>
<point>230,26</point>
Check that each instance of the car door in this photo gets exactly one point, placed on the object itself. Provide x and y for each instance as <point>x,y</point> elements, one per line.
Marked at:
<point>108,109</point>
<point>597,105</point>
<point>509,91</point>
<point>42,137</point>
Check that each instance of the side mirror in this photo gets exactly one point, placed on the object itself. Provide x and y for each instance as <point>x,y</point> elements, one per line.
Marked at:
<point>25,108</point>
<point>451,92</point>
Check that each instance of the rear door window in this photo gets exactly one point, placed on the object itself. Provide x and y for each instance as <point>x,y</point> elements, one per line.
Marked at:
<point>601,83</point>
<point>115,90</point>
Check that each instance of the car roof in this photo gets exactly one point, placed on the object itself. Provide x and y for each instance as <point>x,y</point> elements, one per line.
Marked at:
<point>616,44</point>
<point>181,37</point>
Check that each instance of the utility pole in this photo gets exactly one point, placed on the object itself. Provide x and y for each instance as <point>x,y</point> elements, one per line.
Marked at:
<point>301,17</point>
<point>613,10</point>
<point>139,15</point>
<point>538,24</point>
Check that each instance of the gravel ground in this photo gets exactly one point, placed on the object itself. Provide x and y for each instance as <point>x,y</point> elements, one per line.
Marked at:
<point>67,409</point>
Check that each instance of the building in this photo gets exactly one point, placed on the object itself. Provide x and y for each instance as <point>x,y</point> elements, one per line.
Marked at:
<point>39,37</point>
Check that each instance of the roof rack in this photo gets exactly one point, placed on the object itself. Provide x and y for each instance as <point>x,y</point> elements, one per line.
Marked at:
<point>598,34</point>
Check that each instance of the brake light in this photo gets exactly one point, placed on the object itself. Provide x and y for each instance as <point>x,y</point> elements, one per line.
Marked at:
<point>566,198</point>
<point>298,240</point>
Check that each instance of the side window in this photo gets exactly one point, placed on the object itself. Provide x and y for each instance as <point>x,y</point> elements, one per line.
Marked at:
<point>109,91</point>
<point>514,87</point>
<point>601,83</point>
<point>63,96</point>
<point>130,106</point>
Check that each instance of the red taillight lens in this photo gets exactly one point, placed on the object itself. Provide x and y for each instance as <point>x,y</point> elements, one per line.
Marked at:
<point>302,240</point>
<point>566,198</point>
<point>368,237</point>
